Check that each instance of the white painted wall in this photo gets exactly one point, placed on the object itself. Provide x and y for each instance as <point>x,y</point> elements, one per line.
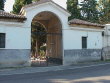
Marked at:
<point>73,38</point>
<point>106,37</point>
<point>17,37</point>
<point>61,3</point>
<point>33,11</point>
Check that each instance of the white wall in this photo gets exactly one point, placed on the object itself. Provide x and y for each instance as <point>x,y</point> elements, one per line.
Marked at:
<point>106,37</point>
<point>17,37</point>
<point>33,11</point>
<point>50,7</point>
<point>73,38</point>
<point>94,40</point>
<point>61,3</point>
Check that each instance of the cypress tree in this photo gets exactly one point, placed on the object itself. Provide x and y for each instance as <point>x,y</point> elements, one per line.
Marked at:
<point>73,8</point>
<point>19,4</point>
<point>104,6</point>
<point>2,4</point>
<point>89,10</point>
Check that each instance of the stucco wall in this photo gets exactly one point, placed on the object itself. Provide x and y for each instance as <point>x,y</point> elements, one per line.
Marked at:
<point>14,57</point>
<point>17,37</point>
<point>106,37</point>
<point>81,55</point>
<point>61,3</point>
<point>34,10</point>
<point>73,52</point>
<point>73,38</point>
<point>106,42</point>
<point>17,46</point>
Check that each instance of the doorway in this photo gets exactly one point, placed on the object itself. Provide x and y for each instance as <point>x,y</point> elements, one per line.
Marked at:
<point>46,39</point>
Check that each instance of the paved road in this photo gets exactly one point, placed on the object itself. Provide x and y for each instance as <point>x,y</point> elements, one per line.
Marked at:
<point>96,74</point>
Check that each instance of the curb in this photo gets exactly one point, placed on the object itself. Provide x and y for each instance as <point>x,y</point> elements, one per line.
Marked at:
<point>47,69</point>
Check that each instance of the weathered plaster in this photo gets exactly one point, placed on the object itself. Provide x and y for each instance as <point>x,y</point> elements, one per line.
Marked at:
<point>14,57</point>
<point>81,55</point>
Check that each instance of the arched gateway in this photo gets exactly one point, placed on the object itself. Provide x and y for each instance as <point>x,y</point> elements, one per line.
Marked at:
<point>47,33</point>
<point>53,18</point>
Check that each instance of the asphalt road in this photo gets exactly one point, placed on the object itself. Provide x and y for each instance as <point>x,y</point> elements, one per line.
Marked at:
<point>96,74</point>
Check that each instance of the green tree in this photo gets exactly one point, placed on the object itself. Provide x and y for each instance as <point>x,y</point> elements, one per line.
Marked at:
<point>73,8</point>
<point>25,2</point>
<point>38,38</point>
<point>89,10</point>
<point>2,4</point>
<point>104,7</point>
<point>19,4</point>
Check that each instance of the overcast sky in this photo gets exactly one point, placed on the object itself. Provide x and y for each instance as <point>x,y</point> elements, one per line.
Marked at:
<point>9,5</point>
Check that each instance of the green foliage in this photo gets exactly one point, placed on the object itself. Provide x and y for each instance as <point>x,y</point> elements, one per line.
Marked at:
<point>19,4</point>
<point>73,8</point>
<point>2,4</point>
<point>97,11</point>
<point>38,38</point>
<point>89,10</point>
<point>104,7</point>
<point>25,2</point>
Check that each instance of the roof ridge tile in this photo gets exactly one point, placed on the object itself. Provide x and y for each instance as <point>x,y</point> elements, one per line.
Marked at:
<point>4,14</point>
<point>83,22</point>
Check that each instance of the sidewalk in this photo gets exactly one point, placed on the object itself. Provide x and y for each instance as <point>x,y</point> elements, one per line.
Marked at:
<point>24,70</point>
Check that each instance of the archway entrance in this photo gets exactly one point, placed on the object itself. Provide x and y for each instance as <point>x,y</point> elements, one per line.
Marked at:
<point>46,38</point>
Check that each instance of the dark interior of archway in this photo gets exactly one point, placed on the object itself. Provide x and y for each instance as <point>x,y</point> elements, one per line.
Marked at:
<point>47,37</point>
<point>38,40</point>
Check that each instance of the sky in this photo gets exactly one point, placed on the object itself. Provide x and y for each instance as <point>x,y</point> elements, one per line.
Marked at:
<point>9,5</point>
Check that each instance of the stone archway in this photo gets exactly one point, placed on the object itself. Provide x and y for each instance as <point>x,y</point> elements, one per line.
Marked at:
<point>53,33</point>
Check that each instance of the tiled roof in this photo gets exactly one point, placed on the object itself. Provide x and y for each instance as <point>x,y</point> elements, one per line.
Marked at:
<point>82,22</point>
<point>43,1</point>
<point>4,14</point>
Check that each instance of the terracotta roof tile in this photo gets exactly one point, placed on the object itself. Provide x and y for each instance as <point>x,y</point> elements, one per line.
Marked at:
<point>4,14</point>
<point>82,22</point>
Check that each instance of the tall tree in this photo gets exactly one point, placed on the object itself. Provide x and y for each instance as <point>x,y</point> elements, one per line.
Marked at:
<point>89,10</point>
<point>38,38</point>
<point>2,4</point>
<point>73,8</point>
<point>19,4</point>
<point>104,6</point>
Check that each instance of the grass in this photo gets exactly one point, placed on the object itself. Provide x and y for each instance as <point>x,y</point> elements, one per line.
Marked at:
<point>108,60</point>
